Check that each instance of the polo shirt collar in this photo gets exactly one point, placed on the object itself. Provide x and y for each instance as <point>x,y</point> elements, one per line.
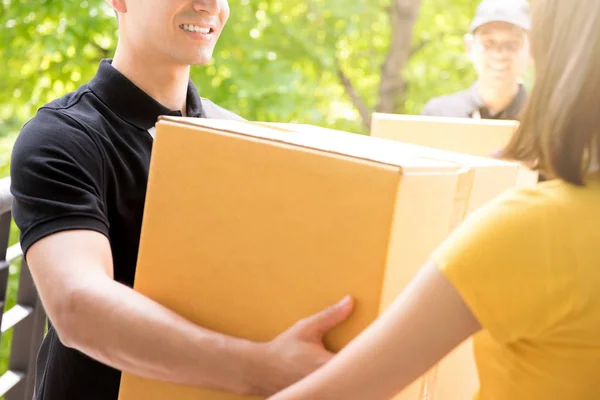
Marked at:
<point>512,111</point>
<point>131,103</point>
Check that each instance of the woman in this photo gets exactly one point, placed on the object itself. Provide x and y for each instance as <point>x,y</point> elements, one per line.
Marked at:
<point>524,271</point>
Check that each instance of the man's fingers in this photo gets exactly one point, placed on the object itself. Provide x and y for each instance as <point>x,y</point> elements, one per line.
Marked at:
<point>318,324</point>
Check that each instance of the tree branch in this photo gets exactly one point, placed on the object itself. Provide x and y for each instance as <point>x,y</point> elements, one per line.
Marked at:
<point>363,109</point>
<point>403,14</point>
<point>104,53</point>
<point>355,97</point>
<point>418,47</point>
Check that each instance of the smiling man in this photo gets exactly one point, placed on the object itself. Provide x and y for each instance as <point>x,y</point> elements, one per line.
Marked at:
<point>498,47</point>
<point>79,173</point>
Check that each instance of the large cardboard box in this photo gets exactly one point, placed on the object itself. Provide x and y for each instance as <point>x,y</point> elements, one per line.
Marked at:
<point>248,228</point>
<point>455,377</point>
<point>478,137</point>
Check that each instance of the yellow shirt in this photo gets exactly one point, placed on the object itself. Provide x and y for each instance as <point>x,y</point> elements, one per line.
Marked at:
<point>528,266</point>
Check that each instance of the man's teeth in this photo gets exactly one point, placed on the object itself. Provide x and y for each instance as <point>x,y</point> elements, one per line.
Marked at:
<point>195,28</point>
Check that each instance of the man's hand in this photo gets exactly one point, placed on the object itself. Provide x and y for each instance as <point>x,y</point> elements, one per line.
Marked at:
<point>298,351</point>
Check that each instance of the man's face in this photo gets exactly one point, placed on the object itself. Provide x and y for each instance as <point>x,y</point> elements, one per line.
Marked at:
<point>183,32</point>
<point>499,52</point>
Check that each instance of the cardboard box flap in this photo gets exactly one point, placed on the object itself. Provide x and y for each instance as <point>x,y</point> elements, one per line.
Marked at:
<point>348,144</point>
<point>464,135</point>
<point>477,137</point>
<point>448,120</point>
<point>423,151</point>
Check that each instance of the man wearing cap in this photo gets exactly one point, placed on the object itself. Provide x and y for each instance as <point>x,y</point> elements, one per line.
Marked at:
<point>498,47</point>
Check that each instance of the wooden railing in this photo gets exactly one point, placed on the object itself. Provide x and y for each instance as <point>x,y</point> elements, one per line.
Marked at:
<point>26,318</point>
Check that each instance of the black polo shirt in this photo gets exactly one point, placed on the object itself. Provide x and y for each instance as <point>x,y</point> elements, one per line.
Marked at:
<point>468,104</point>
<point>82,163</point>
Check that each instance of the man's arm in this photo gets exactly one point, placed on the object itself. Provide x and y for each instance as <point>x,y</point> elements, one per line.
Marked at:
<point>119,327</point>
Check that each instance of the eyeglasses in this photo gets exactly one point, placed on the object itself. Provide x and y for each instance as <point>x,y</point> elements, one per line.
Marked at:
<point>511,46</point>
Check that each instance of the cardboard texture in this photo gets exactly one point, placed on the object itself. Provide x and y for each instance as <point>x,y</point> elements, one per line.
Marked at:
<point>455,377</point>
<point>249,228</point>
<point>477,137</point>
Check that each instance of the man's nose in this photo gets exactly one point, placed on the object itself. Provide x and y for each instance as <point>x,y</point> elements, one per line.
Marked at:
<point>502,53</point>
<point>209,6</point>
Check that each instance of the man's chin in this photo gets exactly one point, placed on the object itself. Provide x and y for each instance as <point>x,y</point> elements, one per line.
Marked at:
<point>202,58</point>
<point>201,62</point>
<point>501,81</point>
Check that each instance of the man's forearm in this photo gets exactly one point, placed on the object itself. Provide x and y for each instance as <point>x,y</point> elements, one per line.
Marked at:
<point>121,328</point>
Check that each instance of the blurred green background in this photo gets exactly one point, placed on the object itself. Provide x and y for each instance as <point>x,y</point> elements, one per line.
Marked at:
<point>324,62</point>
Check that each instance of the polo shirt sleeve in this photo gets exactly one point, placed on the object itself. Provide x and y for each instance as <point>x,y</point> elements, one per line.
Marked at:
<point>429,109</point>
<point>56,178</point>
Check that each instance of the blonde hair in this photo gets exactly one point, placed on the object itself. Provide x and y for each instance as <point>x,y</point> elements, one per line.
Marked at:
<point>561,121</point>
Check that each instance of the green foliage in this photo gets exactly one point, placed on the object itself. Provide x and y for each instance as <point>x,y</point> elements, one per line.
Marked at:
<point>277,60</point>
<point>49,47</point>
<point>440,66</point>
